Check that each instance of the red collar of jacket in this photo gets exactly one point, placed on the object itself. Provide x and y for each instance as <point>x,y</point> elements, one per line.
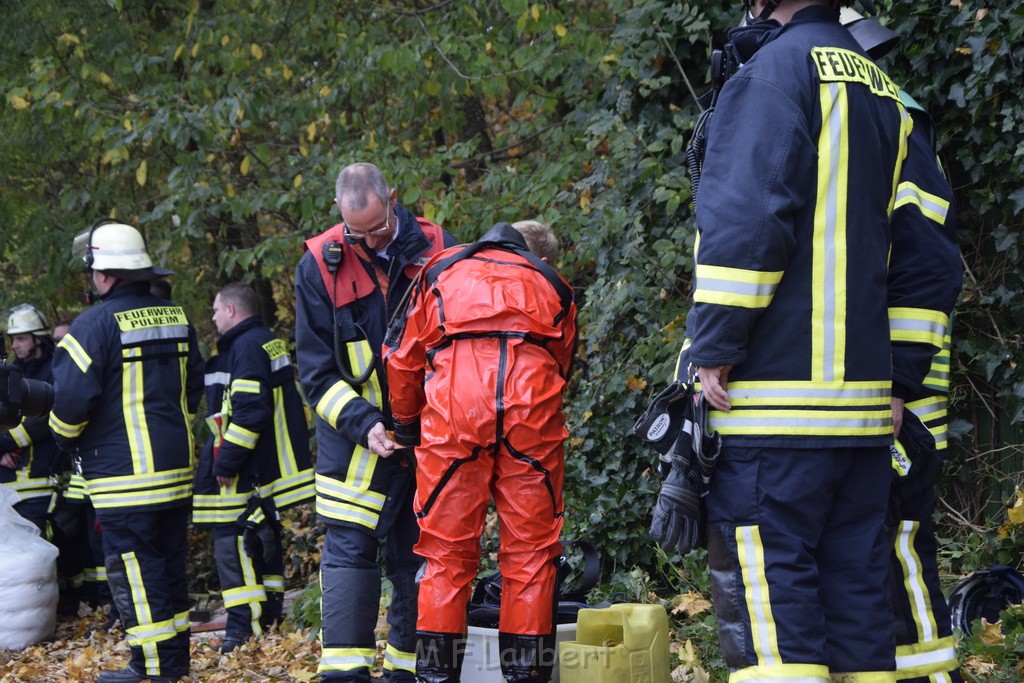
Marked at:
<point>353,281</point>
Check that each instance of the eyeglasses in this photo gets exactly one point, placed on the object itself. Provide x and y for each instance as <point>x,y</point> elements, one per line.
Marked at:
<point>356,237</point>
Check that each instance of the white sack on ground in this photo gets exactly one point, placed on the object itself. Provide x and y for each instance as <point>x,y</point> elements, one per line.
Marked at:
<point>28,579</point>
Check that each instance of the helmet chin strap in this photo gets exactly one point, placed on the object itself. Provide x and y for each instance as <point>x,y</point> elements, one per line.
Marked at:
<point>769,7</point>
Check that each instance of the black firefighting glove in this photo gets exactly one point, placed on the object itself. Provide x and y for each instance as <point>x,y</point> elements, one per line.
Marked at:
<point>407,434</point>
<point>259,540</point>
<point>660,423</point>
<point>69,516</point>
<point>915,464</point>
<point>677,522</point>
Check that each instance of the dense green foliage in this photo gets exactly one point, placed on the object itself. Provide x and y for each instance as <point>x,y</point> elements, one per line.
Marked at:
<point>218,129</point>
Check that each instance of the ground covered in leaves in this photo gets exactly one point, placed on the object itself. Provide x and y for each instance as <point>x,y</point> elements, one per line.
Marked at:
<point>76,653</point>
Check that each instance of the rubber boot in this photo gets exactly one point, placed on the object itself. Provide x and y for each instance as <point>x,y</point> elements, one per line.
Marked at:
<point>439,657</point>
<point>526,658</point>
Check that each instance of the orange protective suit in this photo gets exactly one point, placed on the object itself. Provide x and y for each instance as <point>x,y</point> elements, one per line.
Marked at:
<point>482,363</point>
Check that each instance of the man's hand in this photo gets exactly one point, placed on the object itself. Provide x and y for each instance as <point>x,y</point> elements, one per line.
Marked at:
<point>713,384</point>
<point>378,442</point>
<point>11,460</point>
<point>897,416</point>
<point>225,482</point>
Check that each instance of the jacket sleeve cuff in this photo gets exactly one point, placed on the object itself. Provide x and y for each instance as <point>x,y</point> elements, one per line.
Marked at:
<point>407,434</point>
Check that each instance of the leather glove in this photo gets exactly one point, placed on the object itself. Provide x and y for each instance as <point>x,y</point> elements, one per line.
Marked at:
<point>407,434</point>
<point>678,522</point>
<point>660,423</point>
<point>259,540</point>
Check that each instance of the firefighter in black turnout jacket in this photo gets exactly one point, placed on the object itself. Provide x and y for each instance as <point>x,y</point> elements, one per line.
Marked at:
<point>28,455</point>
<point>256,462</point>
<point>352,279</point>
<point>127,382</point>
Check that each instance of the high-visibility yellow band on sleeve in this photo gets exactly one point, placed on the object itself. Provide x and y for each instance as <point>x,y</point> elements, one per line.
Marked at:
<point>337,397</point>
<point>735,286</point>
<point>68,431</point>
<point>240,436</point>
<point>931,206</point>
<point>245,386</point>
<point>76,352</point>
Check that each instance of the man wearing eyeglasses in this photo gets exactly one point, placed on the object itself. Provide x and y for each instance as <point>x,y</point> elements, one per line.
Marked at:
<point>351,281</point>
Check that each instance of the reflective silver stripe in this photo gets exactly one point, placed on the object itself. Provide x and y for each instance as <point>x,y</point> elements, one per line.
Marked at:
<point>913,581</point>
<point>835,130</point>
<point>748,289</point>
<point>935,661</point>
<point>212,378</point>
<point>345,662</point>
<point>346,513</point>
<point>342,491</point>
<point>241,436</point>
<point>156,497</point>
<point>154,333</point>
<point>396,659</point>
<point>839,395</point>
<point>285,453</point>
<point>233,597</point>
<point>130,482</point>
<point>279,362</point>
<point>932,327</point>
<point>820,421</point>
<point>132,396</point>
<point>360,468</point>
<point>749,555</point>
<point>77,353</point>
<point>332,403</point>
<point>934,207</point>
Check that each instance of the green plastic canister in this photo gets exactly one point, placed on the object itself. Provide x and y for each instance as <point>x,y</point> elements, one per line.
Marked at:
<point>623,643</point>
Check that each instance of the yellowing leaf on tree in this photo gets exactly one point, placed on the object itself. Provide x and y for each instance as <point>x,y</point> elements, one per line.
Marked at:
<point>240,113</point>
<point>140,174</point>
<point>69,39</point>
<point>246,165</point>
<point>587,414</point>
<point>610,58</point>
<point>297,181</point>
<point>1016,512</point>
<point>407,145</point>
<point>634,383</point>
<point>224,40</point>
<point>560,31</point>
<point>128,125</point>
<point>256,51</point>
<point>535,12</point>
<point>112,155</point>
<point>371,143</point>
<point>311,131</point>
<point>18,102</point>
<point>325,91</point>
<point>106,80</point>
<point>229,190</point>
<point>286,72</point>
<point>179,52</point>
<point>303,150</point>
<point>195,50</point>
<point>585,201</point>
